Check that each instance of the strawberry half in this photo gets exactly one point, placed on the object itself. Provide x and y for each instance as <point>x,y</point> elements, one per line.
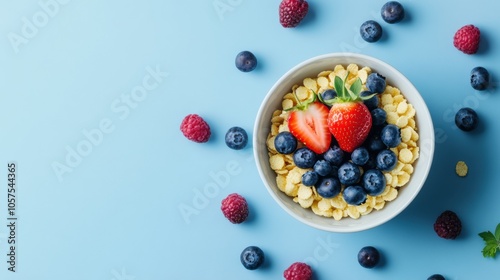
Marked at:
<point>349,120</point>
<point>308,123</point>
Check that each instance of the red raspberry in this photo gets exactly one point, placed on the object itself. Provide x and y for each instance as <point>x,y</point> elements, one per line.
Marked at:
<point>292,12</point>
<point>466,39</point>
<point>448,225</point>
<point>195,128</point>
<point>298,271</point>
<point>235,208</point>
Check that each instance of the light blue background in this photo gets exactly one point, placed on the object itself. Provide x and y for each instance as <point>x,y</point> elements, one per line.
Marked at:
<point>116,214</point>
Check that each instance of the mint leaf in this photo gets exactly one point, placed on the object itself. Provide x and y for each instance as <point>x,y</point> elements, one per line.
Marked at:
<point>356,87</point>
<point>492,242</point>
<point>339,86</point>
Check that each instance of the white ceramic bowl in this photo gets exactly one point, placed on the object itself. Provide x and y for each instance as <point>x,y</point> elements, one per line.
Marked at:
<point>310,68</point>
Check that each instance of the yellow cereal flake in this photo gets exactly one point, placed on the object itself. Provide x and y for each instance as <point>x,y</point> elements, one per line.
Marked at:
<point>281,182</point>
<point>410,112</point>
<point>405,156</point>
<point>270,144</point>
<point>388,178</point>
<point>353,69</point>
<point>353,212</point>
<point>295,175</point>
<point>287,104</point>
<point>402,121</point>
<point>291,189</point>
<point>391,195</point>
<point>304,192</point>
<point>302,93</point>
<point>289,96</point>
<point>408,168</point>
<point>324,73</point>
<point>338,202</point>
<point>403,179</point>
<point>323,82</point>
<point>379,205</point>
<point>406,134</point>
<point>305,203</point>
<point>402,106</point>
<point>337,214</point>
<point>311,84</point>
<point>363,75</point>
<point>277,162</point>
<point>411,123</point>
<point>461,168</point>
<point>386,99</point>
<point>338,68</point>
<point>392,117</point>
<point>324,204</point>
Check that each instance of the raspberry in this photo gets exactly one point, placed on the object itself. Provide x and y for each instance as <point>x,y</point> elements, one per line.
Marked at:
<point>292,12</point>
<point>448,225</point>
<point>195,128</point>
<point>298,271</point>
<point>466,39</point>
<point>235,208</point>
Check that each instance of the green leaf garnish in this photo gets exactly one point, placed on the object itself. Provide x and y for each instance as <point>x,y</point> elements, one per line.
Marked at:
<point>356,87</point>
<point>339,87</point>
<point>492,242</point>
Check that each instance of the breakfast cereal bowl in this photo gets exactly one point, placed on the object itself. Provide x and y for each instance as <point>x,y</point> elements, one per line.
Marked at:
<point>403,183</point>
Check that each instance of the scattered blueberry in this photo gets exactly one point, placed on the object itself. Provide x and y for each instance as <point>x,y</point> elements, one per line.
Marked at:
<point>310,178</point>
<point>368,257</point>
<point>354,195</point>
<point>328,94</point>
<point>245,61</point>
<point>372,102</point>
<point>370,31</point>
<point>466,119</point>
<point>328,187</point>
<point>375,83</point>
<point>436,277</point>
<point>335,155</point>
<point>371,163</point>
<point>322,167</point>
<point>285,143</point>
<point>252,257</point>
<point>360,156</point>
<point>392,12</point>
<point>304,158</point>
<point>349,173</point>
<point>391,136</point>
<point>374,182</point>
<point>386,160</point>
<point>379,116</point>
<point>479,78</point>
<point>236,138</point>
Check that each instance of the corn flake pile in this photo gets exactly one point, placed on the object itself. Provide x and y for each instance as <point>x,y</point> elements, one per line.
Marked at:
<point>289,176</point>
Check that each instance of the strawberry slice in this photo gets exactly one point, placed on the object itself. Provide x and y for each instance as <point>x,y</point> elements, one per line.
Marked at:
<point>309,125</point>
<point>350,123</point>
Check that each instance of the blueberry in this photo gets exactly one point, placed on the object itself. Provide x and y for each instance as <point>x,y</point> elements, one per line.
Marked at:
<point>328,94</point>
<point>335,171</point>
<point>436,277</point>
<point>391,136</point>
<point>375,145</point>
<point>386,160</point>
<point>360,156</point>
<point>322,167</point>
<point>328,187</point>
<point>368,257</point>
<point>466,119</point>
<point>392,12</point>
<point>252,257</point>
<point>334,155</point>
<point>354,195</point>
<point>375,83</point>
<point>245,61</point>
<point>479,78</point>
<point>379,116</point>
<point>374,182</point>
<point>304,158</point>
<point>310,178</point>
<point>236,138</point>
<point>371,163</point>
<point>349,173</point>
<point>370,31</point>
<point>372,102</point>
<point>285,143</point>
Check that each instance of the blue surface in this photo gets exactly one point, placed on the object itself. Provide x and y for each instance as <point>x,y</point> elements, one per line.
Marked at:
<point>114,213</point>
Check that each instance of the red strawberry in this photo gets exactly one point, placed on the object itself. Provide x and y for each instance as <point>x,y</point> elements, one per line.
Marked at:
<point>466,39</point>
<point>349,119</point>
<point>308,124</point>
<point>292,12</point>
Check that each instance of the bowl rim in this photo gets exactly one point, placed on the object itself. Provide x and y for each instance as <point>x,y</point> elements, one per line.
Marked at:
<point>422,111</point>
